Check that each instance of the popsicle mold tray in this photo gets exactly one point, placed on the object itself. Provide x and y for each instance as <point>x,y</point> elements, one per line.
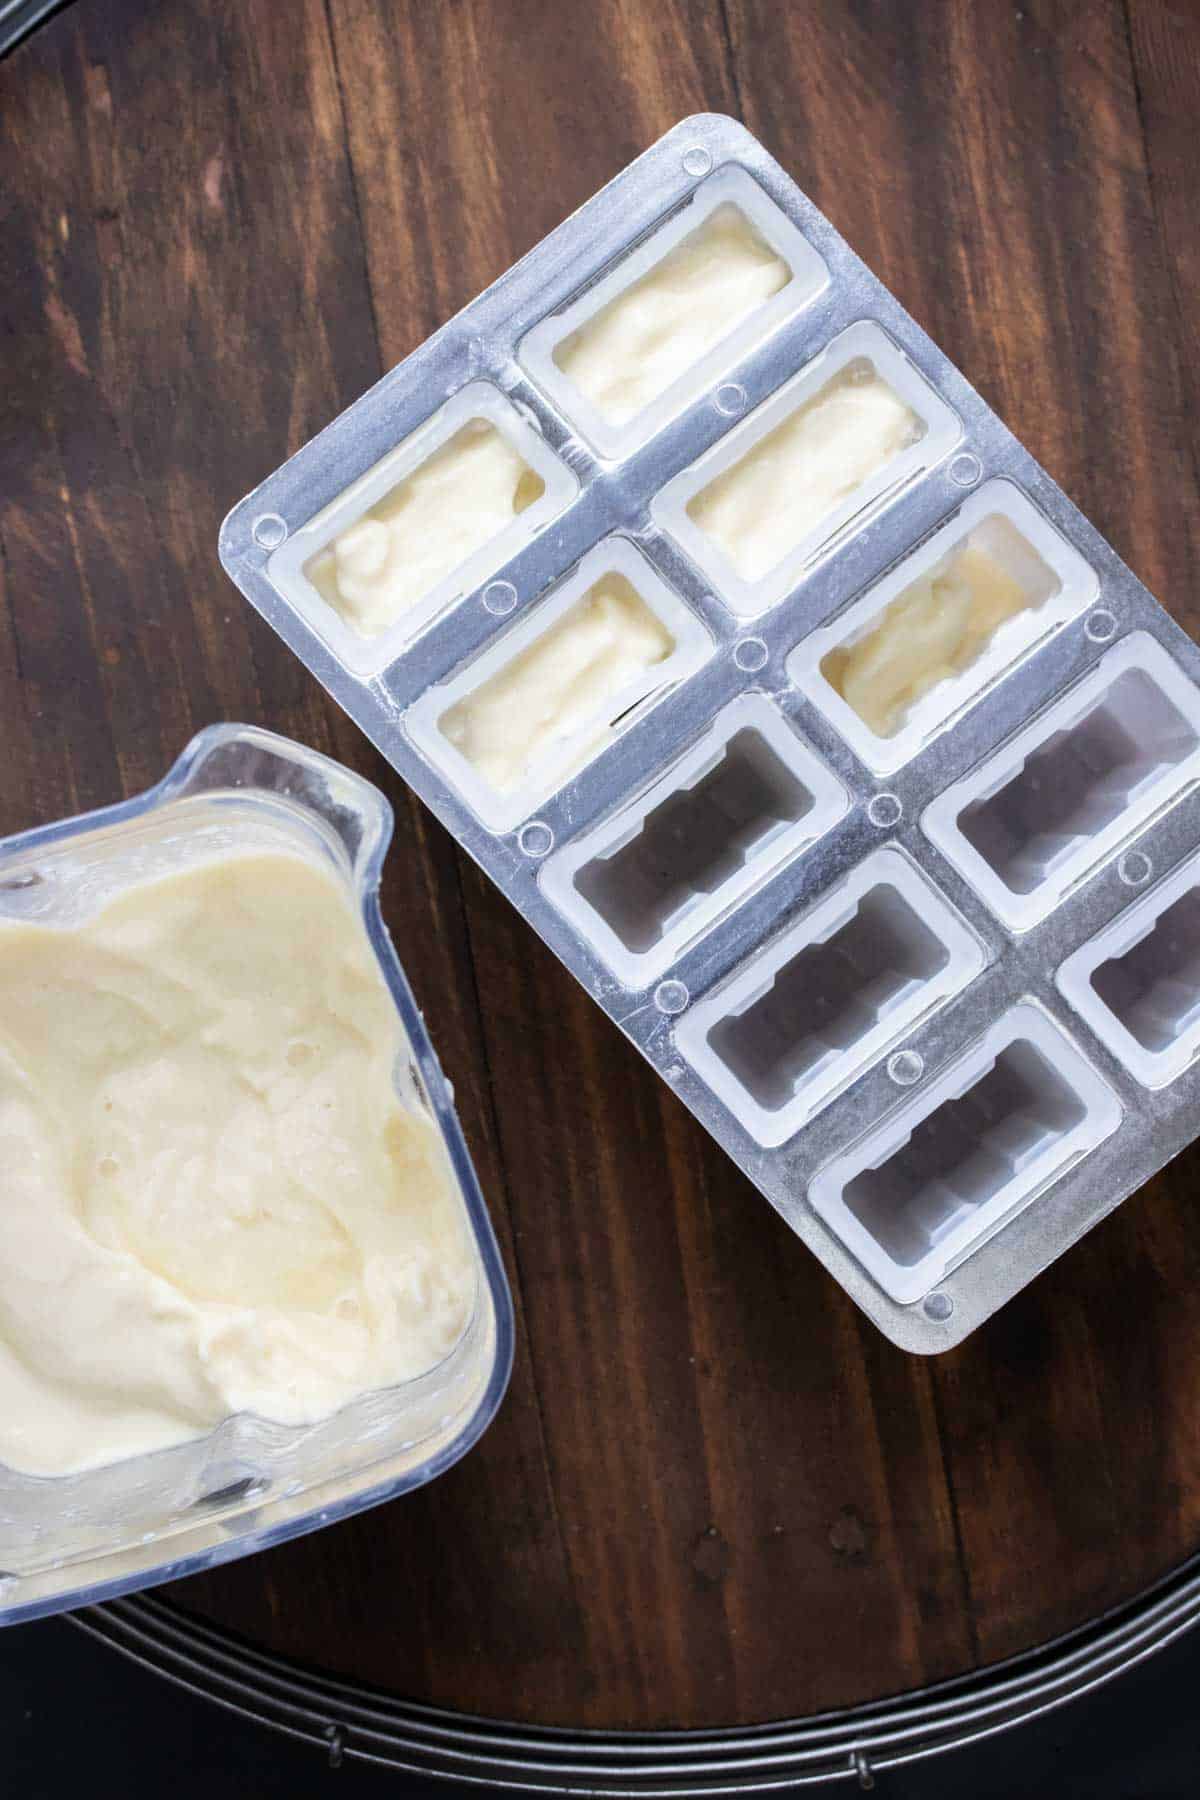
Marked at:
<point>808,722</point>
<point>69,1540</point>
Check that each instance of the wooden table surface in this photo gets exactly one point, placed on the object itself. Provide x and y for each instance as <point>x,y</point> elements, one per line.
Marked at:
<point>715,1494</point>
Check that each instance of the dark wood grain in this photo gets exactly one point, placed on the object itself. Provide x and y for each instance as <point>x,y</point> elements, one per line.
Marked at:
<point>715,1494</point>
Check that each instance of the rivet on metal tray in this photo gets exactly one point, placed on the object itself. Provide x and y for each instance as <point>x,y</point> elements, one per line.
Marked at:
<point>671,997</point>
<point>938,1307</point>
<point>1100,625</point>
<point>730,399</point>
<point>750,655</point>
<point>536,838</point>
<point>906,1067</point>
<point>697,161</point>
<point>499,597</point>
<point>884,811</point>
<point>965,470</point>
<point>1135,868</point>
<point>269,531</point>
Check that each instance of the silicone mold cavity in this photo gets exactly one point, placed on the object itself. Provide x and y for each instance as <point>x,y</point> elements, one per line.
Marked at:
<point>979,1142</point>
<point>1057,585</point>
<point>728,187</point>
<point>744,798</point>
<point>573,749</point>
<point>1137,982</point>
<point>288,566</point>
<point>829,996</point>
<point>863,347</point>
<point>1095,767</point>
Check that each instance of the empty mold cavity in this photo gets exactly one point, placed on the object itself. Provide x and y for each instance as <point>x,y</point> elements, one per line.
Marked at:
<point>1154,987</point>
<point>1076,783</point>
<point>811,464</point>
<point>425,524</point>
<point>830,995</point>
<point>944,1171</point>
<point>558,686</point>
<point>1097,766</point>
<point>694,841</point>
<point>674,313</point>
<point>1137,982</point>
<point>749,794</point>
<point>964,1154</point>
<point>930,638</point>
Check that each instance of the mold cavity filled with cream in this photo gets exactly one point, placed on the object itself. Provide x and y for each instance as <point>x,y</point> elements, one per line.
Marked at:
<point>214,1200</point>
<point>548,709</point>
<point>452,504</point>
<point>633,348</point>
<point>761,508</point>
<point>935,630</point>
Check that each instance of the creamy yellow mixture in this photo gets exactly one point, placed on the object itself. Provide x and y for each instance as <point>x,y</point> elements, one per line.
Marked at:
<point>633,348</point>
<point>212,1199</point>
<point>758,510</point>
<point>525,719</point>
<point>934,630</point>
<point>429,524</point>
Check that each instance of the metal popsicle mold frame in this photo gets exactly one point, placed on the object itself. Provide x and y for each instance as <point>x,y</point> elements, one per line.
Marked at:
<point>1093,654</point>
